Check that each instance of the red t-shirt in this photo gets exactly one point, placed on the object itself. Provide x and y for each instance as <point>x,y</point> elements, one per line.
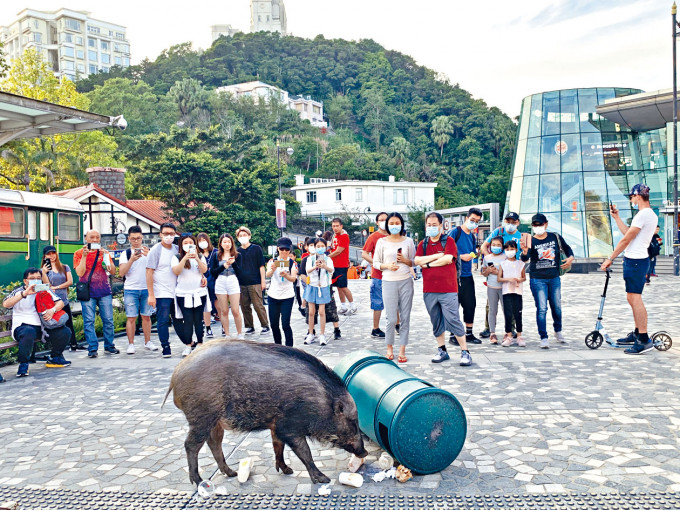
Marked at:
<point>439,279</point>
<point>341,241</point>
<point>369,247</point>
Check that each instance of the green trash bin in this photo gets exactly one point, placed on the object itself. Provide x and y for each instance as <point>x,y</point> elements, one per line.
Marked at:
<point>423,427</point>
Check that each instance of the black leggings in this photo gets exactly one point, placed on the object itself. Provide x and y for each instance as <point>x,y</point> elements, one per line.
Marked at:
<point>193,321</point>
<point>298,297</point>
<point>69,325</point>
<point>512,309</point>
<point>467,299</point>
<point>281,308</point>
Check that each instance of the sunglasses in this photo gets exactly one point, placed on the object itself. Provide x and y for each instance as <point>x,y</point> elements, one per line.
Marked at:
<point>283,249</point>
<point>186,234</point>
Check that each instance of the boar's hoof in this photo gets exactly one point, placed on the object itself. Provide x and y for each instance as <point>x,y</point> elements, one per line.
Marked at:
<point>320,478</point>
<point>229,472</point>
<point>286,470</point>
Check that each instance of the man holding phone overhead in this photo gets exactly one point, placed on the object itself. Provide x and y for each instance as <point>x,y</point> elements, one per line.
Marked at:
<point>634,244</point>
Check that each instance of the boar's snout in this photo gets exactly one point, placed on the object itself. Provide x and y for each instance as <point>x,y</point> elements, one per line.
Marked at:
<point>356,447</point>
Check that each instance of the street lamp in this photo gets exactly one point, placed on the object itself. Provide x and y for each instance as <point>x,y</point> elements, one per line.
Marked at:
<point>676,231</point>
<point>289,151</point>
<point>367,209</point>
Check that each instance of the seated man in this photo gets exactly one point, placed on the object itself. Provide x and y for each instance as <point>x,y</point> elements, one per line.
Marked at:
<point>27,326</point>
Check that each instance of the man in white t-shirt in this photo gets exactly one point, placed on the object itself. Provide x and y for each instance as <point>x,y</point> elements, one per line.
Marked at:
<point>161,283</point>
<point>132,266</point>
<point>634,244</point>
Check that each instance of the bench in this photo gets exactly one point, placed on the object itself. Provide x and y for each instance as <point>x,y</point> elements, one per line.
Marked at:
<point>7,320</point>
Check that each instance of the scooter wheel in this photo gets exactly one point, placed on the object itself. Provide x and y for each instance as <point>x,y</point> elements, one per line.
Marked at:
<point>593,340</point>
<point>662,341</point>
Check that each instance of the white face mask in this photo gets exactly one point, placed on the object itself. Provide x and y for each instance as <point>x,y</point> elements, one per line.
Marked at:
<point>510,253</point>
<point>539,231</point>
<point>510,227</point>
<point>168,239</point>
<point>244,239</point>
<point>203,245</point>
<point>471,225</point>
<point>381,225</point>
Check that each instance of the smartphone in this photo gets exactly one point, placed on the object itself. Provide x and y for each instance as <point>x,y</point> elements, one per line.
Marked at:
<point>138,250</point>
<point>47,263</point>
<point>281,264</point>
<point>94,246</point>
<point>490,264</point>
<point>191,249</point>
<point>399,250</point>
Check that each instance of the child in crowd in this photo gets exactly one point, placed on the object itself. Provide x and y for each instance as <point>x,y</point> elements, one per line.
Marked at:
<point>494,290</point>
<point>511,275</point>
<point>318,292</point>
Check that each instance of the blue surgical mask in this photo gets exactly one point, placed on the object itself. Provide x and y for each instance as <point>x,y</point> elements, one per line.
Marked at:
<point>510,253</point>
<point>496,250</point>
<point>321,251</point>
<point>510,227</point>
<point>394,229</point>
<point>635,206</point>
<point>431,231</point>
<point>471,225</point>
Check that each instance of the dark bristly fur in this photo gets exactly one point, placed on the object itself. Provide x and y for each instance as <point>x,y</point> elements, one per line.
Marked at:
<point>247,386</point>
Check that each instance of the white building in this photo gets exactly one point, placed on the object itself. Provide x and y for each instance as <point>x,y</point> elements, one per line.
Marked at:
<point>268,16</point>
<point>71,42</point>
<point>308,108</point>
<point>222,30</point>
<point>331,198</point>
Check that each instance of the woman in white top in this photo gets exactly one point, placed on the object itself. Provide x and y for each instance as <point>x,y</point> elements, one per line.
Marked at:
<point>319,269</point>
<point>281,294</point>
<point>223,267</point>
<point>191,299</point>
<point>394,256</point>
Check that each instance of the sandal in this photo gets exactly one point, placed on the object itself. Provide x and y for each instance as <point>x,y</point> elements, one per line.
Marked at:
<point>389,356</point>
<point>402,359</point>
<point>493,339</point>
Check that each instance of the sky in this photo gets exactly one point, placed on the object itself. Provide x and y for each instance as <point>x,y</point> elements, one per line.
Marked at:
<point>500,52</point>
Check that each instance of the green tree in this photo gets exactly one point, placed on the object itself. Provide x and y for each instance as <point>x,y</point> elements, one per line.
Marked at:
<point>401,151</point>
<point>441,129</point>
<point>4,65</point>
<point>191,100</point>
<point>339,111</point>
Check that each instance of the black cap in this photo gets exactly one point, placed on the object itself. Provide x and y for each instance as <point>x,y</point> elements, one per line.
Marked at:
<point>284,242</point>
<point>48,249</point>
<point>512,216</point>
<point>539,219</point>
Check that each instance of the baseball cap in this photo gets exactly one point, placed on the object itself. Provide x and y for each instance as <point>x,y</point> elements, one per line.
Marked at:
<point>284,242</point>
<point>639,189</point>
<point>539,219</point>
<point>49,249</point>
<point>512,216</point>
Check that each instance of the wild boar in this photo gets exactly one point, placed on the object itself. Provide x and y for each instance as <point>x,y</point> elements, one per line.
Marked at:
<point>247,386</point>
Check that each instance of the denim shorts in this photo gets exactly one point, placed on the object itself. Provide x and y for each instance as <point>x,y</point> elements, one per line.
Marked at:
<point>319,296</point>
<point>635,274</point>
<point>136,303</point>
<point>376,295</point>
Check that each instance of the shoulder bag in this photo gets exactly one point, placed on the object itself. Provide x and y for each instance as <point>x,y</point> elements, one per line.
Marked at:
<point>83,288</point>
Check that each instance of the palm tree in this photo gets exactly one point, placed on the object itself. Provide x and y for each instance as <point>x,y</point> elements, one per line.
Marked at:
<point>401,150</point>
<point>441,130</point>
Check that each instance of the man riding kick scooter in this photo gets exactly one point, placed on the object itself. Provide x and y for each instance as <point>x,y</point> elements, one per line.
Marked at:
<point>634,244</point>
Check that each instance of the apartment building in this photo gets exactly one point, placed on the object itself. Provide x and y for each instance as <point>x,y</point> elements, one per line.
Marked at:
<point>74,44</point>
<point>268,16</point>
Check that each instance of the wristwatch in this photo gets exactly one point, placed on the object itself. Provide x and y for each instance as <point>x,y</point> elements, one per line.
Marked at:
<point>427,265</point>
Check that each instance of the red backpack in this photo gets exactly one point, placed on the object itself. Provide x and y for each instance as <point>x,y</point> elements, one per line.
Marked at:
<point>44,301</point>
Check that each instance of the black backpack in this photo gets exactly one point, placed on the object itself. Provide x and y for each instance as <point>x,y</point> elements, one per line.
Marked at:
<point>654,248</point>
<point>457,233</point>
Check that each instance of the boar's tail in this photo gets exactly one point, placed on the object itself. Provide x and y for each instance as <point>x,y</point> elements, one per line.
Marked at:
<point>166,395</point>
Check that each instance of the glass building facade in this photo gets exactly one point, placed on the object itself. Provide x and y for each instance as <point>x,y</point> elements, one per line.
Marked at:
<point>570,163</point>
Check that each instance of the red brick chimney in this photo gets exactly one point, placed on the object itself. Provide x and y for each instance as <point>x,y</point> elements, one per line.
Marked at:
<point>111,180</point>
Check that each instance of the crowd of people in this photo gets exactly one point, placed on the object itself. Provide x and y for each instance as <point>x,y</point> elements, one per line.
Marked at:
<point>188,282</point>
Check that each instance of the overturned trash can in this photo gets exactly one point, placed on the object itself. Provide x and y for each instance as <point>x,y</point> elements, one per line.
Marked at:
<point>421,426</point>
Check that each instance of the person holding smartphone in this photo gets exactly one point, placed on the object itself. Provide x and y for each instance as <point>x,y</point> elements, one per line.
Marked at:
<point>319,268</point>
<point>59,277</point>
<point>132,267</point>
<point>227,288</point>
<point>283,272</point>
<point>95,260</point>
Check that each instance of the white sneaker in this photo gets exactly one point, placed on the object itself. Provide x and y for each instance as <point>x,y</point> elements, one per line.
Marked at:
<point>150,346</point>
<point>544,343</point>
<point>309,339</point>
<point>353,308</point>
<point>343,310</point>
<point>560,337</point>
<point>241,336</point>
<point>186,351</point>
<point>131,349</point>
<point>322,339</point>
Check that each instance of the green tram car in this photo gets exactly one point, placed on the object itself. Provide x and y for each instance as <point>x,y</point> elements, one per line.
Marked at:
<point>31,221</point>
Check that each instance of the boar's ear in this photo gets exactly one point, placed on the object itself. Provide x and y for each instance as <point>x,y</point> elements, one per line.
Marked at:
<point>339,407</point>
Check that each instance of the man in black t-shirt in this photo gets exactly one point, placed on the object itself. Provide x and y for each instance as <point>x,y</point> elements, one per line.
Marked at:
<point>252,281</point>
<point>543,249</point>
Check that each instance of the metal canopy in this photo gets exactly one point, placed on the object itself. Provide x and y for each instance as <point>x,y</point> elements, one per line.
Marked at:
<point>640,112</point>
<point>22,117</point>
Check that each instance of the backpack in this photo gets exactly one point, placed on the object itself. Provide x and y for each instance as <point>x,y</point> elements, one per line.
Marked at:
<point>654,248</point>
<point>445,235</point>
<point>43,302</point>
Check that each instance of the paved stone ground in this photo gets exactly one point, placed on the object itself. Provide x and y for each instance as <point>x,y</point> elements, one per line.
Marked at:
<point>568,419</point>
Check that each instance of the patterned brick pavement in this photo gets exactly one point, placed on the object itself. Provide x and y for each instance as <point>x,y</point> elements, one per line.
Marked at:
<point>563,420</point>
